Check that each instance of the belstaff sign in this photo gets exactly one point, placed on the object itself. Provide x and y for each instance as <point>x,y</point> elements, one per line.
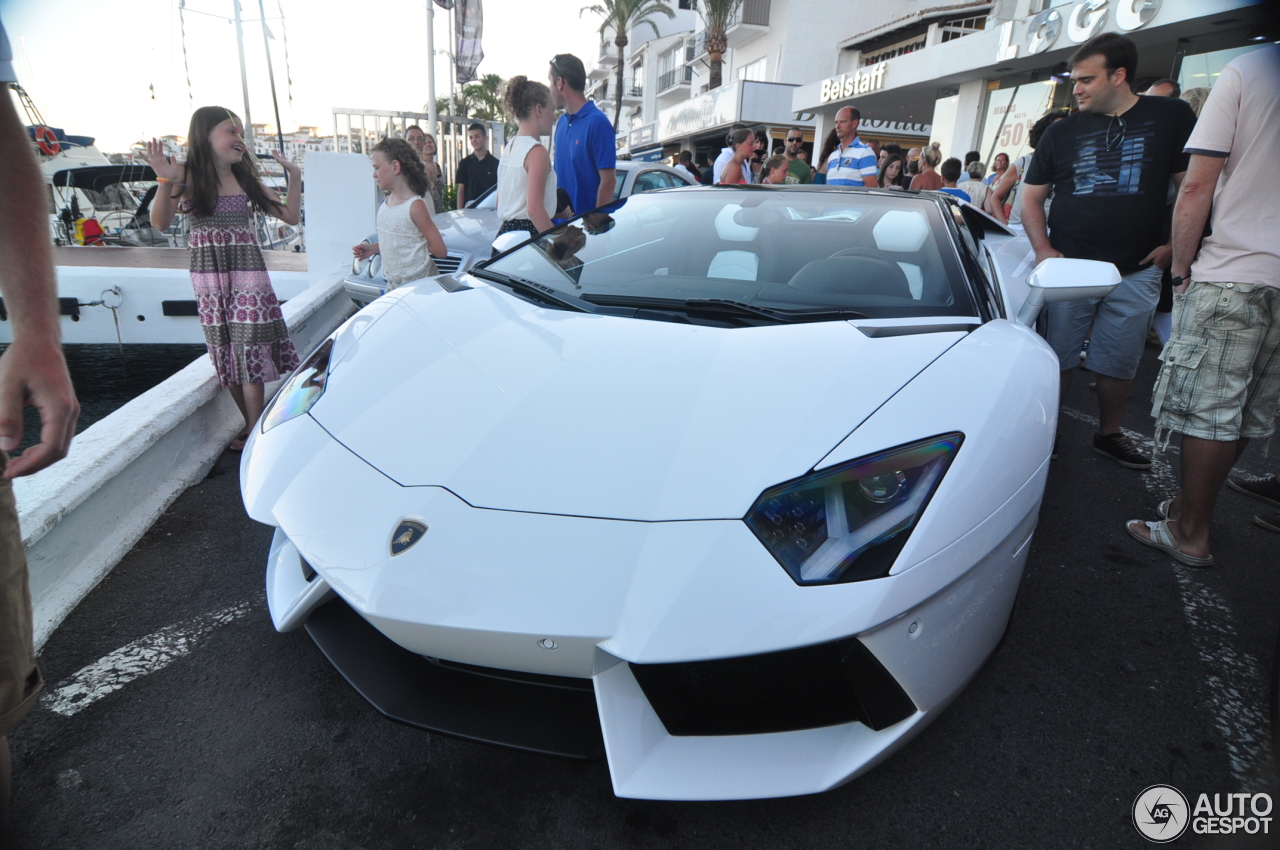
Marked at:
<point>861,82</point>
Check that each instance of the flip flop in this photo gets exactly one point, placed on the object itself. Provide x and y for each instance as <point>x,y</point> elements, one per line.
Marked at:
<point>1162,539</point>
<point>241,439</point>
<point>1271,521</point>
<point>1162,509</point>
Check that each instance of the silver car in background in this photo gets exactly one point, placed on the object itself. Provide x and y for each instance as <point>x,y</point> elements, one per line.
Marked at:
<point>469,233</point>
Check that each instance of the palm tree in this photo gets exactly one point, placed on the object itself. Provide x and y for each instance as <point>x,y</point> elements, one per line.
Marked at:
<point>619,17</point>
<point>480,99</point>
<point>716,15</point>
<point>484,97</point>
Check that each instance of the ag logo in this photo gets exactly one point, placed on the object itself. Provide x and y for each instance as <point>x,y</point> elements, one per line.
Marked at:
<point>406,534</point>
<point>1160,813</point>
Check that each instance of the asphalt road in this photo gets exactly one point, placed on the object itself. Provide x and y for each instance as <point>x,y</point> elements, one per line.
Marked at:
<point>1119,671</point>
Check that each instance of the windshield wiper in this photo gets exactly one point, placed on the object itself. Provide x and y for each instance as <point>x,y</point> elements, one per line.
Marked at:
<point>537,291</point>
<point>777,314</point>
<point>726,307</point>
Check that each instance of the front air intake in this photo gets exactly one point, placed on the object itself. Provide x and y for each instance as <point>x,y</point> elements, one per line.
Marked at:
<point>805,688</point>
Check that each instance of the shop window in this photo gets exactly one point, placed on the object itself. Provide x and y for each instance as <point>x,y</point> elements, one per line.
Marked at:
<point>1009,116</point>
<point>1202,70</point>
<point>754,71</point>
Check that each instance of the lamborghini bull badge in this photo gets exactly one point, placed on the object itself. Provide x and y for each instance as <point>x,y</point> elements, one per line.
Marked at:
<point>407,534</point>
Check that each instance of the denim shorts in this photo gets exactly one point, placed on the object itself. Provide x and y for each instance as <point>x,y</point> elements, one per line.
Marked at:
<point>1119,321</point>
<point>1221,375</point>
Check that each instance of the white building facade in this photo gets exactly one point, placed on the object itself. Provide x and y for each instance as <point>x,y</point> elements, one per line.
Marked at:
<point>969,75</point>
<point>977,75</point>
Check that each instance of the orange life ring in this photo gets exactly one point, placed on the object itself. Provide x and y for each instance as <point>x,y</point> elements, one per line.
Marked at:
<point>47,140</point>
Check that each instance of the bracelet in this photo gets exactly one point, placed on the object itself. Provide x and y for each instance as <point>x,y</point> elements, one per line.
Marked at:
<point>174,182</point>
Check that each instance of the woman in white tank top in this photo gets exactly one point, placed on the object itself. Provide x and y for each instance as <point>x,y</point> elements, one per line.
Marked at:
<point>526,182</point>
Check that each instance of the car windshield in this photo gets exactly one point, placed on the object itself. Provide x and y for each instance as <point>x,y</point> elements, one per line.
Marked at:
<point>786,253</point>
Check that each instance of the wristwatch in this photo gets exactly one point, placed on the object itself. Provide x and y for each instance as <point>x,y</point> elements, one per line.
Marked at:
<point>1178,280</point>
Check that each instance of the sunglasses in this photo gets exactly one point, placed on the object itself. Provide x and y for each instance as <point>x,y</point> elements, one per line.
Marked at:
<point>794,141</point>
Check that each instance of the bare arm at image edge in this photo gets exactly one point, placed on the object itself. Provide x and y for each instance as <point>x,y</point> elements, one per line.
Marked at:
<point>32,369</point>
<point>1191,212</point>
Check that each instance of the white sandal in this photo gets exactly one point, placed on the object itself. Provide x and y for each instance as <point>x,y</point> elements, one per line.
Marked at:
<point>1162,539</point>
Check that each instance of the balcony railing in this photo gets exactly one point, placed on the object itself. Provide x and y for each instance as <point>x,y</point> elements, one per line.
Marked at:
<point>675,77</point>
<point>754,12</point>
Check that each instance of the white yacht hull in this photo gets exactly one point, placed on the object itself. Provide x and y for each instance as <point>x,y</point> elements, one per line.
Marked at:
<point>150,291</point>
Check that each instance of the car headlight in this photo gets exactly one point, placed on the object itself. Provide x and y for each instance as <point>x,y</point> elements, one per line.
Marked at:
<point>301,390</point>
<point>849,523</point>
<point>359,265</point>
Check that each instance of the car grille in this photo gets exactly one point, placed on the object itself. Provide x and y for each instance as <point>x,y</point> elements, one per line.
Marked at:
<point>805,688</point>
<point>449,263</point>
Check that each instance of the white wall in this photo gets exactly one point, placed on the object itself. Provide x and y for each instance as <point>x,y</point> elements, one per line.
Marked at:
<point>340,203</point>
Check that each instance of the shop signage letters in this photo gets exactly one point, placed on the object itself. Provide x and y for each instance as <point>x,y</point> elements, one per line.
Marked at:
<point>861,82</point>
<point>643,136</point>
<point>712,109</point>
<point>1083,21</point>
<point>903,127</point>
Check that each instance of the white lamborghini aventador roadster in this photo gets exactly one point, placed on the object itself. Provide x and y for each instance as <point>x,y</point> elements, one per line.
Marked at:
<point>731,486</point>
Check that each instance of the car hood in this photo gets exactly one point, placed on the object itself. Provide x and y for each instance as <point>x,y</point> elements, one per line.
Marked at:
<point>516,407</point>
<point>467,231</point>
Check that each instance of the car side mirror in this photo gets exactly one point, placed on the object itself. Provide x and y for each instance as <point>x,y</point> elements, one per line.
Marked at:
<point>1063,279</point>
<point>506,241</point>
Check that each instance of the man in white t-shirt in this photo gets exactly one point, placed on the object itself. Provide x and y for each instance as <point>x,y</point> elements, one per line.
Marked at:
<point>1220,383</point>
<point>685,163</point>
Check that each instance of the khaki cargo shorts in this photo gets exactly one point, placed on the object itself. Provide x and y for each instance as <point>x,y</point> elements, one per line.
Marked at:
<point>20,680</point>
<point>1221,375</point>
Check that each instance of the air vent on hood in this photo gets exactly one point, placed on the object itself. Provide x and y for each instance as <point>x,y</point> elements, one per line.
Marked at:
<point>450,284</point>
<point>877,331</point>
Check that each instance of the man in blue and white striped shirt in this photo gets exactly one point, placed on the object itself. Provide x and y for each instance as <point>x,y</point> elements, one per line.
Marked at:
<point>852,163</point>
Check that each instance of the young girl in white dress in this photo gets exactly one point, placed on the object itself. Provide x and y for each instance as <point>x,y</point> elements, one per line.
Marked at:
<point>407,237</point>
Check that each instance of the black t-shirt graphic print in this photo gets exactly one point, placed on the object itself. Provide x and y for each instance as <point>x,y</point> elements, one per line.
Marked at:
<point>1110,176</point>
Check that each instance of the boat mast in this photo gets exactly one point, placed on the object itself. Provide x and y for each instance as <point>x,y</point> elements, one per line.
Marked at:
<point>431,69</point>
<point>244,78</point>
<point>271,75</point>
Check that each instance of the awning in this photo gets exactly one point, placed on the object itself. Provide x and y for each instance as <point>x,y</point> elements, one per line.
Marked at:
<point>98,177</point>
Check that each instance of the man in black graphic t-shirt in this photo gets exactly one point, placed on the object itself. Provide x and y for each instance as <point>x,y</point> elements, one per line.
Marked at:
<point>1108,168</point>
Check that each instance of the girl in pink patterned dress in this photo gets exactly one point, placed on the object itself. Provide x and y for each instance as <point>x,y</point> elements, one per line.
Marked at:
<point>220,187</point>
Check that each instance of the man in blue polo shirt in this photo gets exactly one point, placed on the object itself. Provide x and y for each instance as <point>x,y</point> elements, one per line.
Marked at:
<point>585,151</point>
<point>852,163</point>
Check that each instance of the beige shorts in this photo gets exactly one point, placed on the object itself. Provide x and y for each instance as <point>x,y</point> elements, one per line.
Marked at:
<point>1221,375</point>
<point>20,680</point>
